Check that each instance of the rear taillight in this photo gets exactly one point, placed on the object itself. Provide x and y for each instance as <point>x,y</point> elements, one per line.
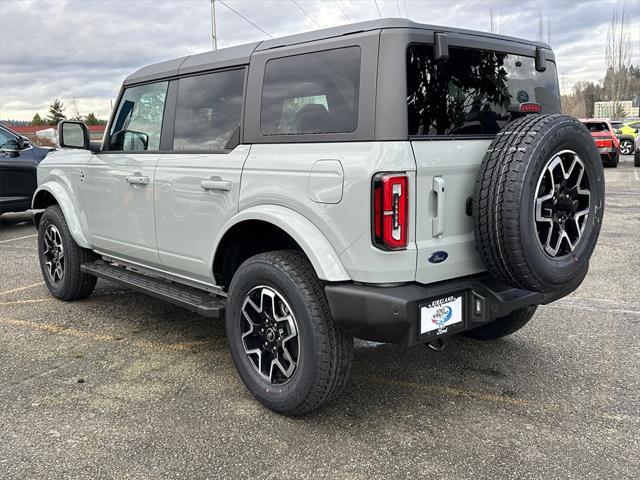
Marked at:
<point>390,211</point>
<point>604,143</point>
<point>530,107</point>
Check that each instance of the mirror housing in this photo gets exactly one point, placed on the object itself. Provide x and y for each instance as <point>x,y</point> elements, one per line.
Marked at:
<point>130,140</point>
<point>72,134</point>
<point>11,148</point>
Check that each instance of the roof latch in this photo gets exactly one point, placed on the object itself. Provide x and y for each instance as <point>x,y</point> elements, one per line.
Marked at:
<point>441,50</point>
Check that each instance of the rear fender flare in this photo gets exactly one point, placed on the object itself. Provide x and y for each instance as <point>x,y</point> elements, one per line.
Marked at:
<point>313,243</point>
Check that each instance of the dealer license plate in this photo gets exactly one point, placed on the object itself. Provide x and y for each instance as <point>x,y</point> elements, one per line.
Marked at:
<point>440,314</point>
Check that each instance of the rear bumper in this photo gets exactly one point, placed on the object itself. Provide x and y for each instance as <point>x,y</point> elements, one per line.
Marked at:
<point>392,314</point>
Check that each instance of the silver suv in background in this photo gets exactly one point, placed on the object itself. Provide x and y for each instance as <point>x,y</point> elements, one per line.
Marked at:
<point>388,180</point>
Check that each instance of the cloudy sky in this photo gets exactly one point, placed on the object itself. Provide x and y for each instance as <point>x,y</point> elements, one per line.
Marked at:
<point>83,49</point>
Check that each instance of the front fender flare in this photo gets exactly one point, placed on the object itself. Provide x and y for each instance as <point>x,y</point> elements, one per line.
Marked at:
<point>68,209</point>
<point>314,244</point>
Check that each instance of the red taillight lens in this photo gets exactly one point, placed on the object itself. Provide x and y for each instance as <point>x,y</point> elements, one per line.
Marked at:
<point>390,211</point>
<point>604,143</point>
<point>530,107</point>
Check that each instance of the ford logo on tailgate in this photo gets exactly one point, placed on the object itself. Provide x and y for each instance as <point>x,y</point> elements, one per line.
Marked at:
<point>438,257</point>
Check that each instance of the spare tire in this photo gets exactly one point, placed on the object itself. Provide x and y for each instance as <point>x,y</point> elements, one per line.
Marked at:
<point>538,202</point>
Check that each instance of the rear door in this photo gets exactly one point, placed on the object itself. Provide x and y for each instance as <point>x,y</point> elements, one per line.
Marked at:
<point>17,174</point>
<point>198,183</point>
<point>455,109</point>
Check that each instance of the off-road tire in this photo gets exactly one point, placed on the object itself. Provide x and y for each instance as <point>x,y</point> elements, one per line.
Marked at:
<point>74,285</point>
<point>501,327</point>
<point>326,351</point>
<point>503,216</point>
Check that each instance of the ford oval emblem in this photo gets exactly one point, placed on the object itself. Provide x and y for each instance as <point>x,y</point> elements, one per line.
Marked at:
<point>438,257</point>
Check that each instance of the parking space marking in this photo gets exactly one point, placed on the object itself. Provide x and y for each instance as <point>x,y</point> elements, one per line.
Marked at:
<point>637,175</point>
<point>34,300</point>
<point>26,287</point>
<point>100,337</point>
<point>590,309</point>
<point>18,238</point>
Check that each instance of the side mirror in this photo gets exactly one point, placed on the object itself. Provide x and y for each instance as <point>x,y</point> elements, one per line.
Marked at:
<point>637,130</point>
<point>130,140</point>
<point>11,148</point>
<point>72,134</point>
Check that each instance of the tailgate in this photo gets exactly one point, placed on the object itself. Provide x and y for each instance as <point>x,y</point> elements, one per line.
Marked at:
<point>445,179</point>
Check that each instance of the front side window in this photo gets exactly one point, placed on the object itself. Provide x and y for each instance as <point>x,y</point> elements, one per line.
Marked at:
<point>474,92</point>
<point>138,121</point>
<point>5,137</point>
<point>311,93</point>
<point>208,110</point>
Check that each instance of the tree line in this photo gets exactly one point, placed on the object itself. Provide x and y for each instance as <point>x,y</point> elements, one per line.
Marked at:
<point>56,114</point>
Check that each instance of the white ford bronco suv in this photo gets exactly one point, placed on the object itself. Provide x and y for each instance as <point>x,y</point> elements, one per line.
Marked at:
<point>387,180</point>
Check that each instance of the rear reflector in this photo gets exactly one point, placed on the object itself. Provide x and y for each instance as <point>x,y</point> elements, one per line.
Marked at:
<point>390,211</point>
<point>530,107</point>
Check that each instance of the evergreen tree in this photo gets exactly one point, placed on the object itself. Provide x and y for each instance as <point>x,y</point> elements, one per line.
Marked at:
<point>91,119</point>
<point>56,112</point>
<point>37,120</point>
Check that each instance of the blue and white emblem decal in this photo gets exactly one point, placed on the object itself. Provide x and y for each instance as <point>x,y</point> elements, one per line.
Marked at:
<point>438,257</point>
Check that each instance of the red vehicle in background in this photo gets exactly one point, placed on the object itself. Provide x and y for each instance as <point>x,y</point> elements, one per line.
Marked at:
<point>605,137</point>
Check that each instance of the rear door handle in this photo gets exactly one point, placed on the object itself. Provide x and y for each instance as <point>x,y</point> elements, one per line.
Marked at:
<point>437,222</point>
<point>215,183</point>
<point>138,179</point>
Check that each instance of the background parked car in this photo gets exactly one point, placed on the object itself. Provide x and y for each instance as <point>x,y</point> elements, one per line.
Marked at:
<point>19,158</point>
<point>627,134</point>
<point>604,135</point>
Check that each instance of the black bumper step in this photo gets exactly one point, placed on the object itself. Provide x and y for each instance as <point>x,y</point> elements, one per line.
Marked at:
<point>193,299</point>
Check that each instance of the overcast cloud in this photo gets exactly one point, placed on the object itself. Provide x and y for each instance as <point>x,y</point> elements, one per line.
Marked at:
<point>73,49</point>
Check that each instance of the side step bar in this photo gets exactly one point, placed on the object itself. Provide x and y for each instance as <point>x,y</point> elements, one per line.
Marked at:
<point>190,298</point>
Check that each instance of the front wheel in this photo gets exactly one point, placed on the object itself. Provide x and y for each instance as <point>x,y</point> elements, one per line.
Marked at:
<point>503,326</point>
<point>283,341</point>
<point>60,258</point>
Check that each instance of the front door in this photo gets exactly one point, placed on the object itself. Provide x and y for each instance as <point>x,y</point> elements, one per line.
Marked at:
<point>119,182</point>
<point>197,186</point>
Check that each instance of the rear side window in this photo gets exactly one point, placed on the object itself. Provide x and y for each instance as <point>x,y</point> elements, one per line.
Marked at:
<point>311,93</point>
<point>208,110</point>
<point>474,92</point>
<point>138,122</point>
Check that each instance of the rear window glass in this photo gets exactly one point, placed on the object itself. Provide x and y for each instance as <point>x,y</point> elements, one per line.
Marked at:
<point>474,92</point>
<point>596,126</point>
<point>311,93</point>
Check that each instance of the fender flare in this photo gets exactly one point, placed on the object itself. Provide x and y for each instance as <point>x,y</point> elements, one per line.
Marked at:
<point>69,210</point>
<point>314,244</point>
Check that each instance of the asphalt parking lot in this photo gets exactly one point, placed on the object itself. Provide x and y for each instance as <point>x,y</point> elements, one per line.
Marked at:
<point>123,386</point>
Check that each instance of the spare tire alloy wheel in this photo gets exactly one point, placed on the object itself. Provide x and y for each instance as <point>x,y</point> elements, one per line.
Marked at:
<point>562,203</point>
<point>539,202</point>
<point>53,254</point>
<point>270,334</point>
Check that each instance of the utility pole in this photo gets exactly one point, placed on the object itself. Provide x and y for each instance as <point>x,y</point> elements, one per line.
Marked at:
<point>214,37</point>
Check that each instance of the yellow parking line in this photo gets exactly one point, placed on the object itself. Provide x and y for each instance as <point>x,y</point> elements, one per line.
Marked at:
<point>458,392</point>
<point>35,300</point>
<point>98,337</point>
<point>22,288</point>
<point>18,238</point>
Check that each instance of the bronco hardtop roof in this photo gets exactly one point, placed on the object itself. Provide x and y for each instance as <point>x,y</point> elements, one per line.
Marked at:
<point>240,55</point>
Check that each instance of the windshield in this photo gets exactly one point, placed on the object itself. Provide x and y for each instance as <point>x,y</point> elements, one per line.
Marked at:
<point>474,92</point>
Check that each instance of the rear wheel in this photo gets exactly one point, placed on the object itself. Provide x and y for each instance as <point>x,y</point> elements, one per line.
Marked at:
<point>503,326</point>
<point>613,160</point>
<point>626,147</point>
<point>287,350</point>
<point>60,258</point>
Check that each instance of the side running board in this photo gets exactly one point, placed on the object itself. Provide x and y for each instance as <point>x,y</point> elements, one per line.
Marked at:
<point>190,298</point>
